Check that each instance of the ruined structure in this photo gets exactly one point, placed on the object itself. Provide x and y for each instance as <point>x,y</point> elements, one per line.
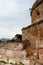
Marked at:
<point>34,32</point>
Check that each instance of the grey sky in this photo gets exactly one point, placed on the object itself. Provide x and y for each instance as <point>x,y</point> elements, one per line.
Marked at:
<point>14,15</point>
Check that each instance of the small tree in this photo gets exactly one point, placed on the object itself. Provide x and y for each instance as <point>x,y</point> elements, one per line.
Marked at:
<point>18,36</point>
<point>0,41</point>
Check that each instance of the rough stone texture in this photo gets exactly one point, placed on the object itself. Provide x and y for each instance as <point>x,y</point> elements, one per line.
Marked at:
<point>37,13</point>
<point>37,2</point>
<point>10,52</point>
<point>36,62</point>
<point>34,34</point>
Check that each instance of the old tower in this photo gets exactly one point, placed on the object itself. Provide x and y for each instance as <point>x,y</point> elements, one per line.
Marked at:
<point>37,11</point>
<point>34,32</point>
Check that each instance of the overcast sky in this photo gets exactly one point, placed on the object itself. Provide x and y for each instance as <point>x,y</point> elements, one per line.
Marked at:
<point>14,15</point>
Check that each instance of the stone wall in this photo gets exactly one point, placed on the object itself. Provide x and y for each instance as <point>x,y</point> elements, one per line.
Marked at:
<point>36,62</point>
<point>9,52</point>
<point>37,13</point>
<point>34,34</point>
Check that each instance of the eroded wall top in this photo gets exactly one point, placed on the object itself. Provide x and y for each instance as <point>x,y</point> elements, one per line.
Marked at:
<point>37,11</point>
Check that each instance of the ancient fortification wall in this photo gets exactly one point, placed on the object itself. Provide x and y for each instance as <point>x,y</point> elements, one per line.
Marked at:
<point>33,33</point>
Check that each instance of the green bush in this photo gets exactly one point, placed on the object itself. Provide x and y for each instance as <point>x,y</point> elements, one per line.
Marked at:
<point>21,63</point>
<point>11,63</point>
<point>3,62</point>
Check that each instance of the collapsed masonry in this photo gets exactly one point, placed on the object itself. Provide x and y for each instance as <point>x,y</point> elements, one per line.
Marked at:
<point>33,34</point>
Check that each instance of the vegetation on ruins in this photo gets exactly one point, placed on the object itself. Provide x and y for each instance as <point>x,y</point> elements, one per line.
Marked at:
<point>11,63</point>
<point>4,62</point>
<point>16,38</point>
<point>21,63</point>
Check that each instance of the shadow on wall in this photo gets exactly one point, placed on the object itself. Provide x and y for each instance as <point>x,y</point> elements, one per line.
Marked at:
<point>26,43</point>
